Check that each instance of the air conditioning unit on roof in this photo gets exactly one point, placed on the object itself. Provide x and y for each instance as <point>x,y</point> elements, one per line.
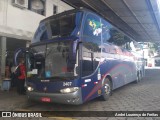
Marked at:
<point>20,3</point>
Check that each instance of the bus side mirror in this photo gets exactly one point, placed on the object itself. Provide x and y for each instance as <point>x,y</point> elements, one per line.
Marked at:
<point>76,70</point>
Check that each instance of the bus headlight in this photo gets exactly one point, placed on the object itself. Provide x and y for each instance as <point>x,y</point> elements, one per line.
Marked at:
<point>69,90</point>
<point>29,88</point>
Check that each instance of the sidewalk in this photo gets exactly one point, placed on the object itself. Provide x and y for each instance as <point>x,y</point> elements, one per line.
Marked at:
<point>10,100</point>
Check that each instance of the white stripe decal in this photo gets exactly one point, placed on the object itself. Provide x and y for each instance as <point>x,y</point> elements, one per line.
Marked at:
<point>87,80</point>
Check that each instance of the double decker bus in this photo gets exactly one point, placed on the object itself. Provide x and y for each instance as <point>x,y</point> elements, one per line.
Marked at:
<point>77,55</point>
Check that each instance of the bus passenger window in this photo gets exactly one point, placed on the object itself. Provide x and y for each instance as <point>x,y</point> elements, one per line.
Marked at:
<point>87,64</point>
<point>105,31</point>
<point>117,37</point>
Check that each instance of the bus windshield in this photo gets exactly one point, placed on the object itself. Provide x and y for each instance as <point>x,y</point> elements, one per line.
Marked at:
<point>53,60</point>
<point>61,26</point>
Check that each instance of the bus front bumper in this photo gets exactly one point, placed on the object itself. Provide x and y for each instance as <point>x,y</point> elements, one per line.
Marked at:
<point>74,98</point>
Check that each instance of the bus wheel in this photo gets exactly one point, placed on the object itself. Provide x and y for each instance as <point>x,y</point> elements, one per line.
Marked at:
<point>107,89</point>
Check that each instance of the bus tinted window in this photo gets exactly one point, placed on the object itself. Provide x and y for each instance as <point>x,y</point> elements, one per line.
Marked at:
<point>112,35</point>
<point>52,60</point>
<point>67,25</point>
<point>55,27</point>
<point>59,60</point>
<point>116,37</point>
<point>63,26</point>
<point>106,31</point>
<point>36,60</point>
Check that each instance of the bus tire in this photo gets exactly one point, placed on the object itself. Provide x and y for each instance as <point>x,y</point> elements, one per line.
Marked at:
<point>107,89</point>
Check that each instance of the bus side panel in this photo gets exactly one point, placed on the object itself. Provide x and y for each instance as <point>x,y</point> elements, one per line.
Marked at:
<point>89,87</point>
<point>113,68</point>
<point>121,71</point>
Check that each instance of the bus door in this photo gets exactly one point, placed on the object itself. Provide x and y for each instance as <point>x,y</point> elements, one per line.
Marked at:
<point>90,62</point>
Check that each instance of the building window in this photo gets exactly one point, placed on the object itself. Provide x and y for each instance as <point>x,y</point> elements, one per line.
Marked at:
<point>55,9</point>
<point>37,6</point>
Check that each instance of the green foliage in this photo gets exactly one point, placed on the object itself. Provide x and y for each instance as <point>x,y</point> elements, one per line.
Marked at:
<point>153,47</point>
<point>118,38</point>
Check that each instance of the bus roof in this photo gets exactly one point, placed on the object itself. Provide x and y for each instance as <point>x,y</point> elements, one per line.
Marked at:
<point>83,10</point>
<point>65,13</point>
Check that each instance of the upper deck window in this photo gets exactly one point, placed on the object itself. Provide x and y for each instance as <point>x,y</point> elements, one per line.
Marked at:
<point>62,26</point>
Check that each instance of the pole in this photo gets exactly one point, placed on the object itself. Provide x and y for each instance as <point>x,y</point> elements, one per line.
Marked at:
<point>2,57</point>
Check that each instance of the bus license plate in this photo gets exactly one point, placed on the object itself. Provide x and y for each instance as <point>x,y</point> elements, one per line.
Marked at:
<point>45,99</point>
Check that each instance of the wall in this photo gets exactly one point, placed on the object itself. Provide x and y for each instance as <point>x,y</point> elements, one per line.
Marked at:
<point>22,18</point>
<point>61,6</point>
<point>2,6</point>
<point>22,23</point>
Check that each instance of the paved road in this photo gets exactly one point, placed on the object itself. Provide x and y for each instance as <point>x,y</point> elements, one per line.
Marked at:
<point>144,96</point>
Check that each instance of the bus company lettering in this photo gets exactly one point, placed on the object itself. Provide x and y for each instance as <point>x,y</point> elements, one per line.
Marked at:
<point>29,114</point>
<point>67,83</point>
<point>34,115</point>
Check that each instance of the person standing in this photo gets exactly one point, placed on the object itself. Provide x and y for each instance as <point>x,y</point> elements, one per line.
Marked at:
<point>20,71</point>
<point>13,76</point>
<point>7,71</point>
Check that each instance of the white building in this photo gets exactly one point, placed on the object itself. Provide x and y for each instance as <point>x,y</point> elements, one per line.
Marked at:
<point>18,22</point>
<point>148,56</point>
